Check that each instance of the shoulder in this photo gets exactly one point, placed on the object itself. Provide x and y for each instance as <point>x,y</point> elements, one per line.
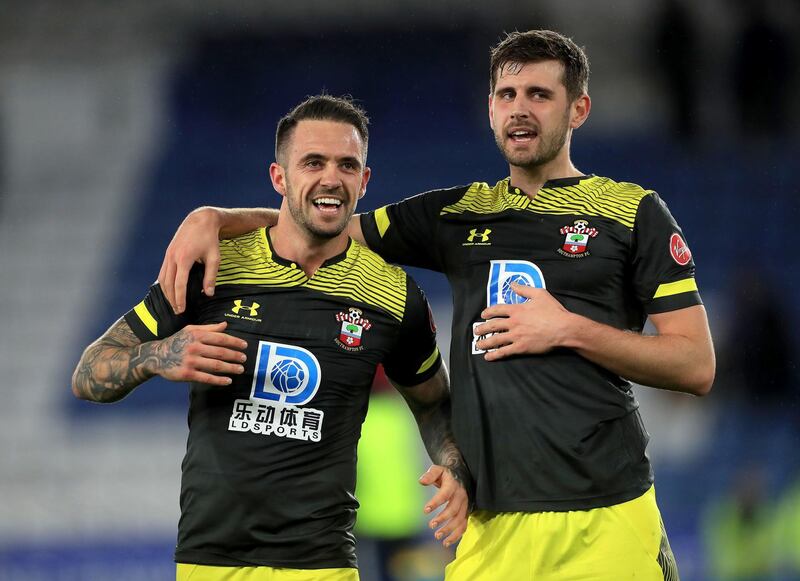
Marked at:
<point>245,248</point>
<point>372,267</point>
<point>627,192</point>
<point>619,201</point>
<point>364,276</point>
<point>477,197</point>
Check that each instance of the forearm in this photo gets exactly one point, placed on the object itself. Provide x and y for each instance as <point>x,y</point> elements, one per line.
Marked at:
<point>237,221</point>
<point>437,435</point>
<point>108,372</point>
<point>673,361</point>
<point>232,222</point>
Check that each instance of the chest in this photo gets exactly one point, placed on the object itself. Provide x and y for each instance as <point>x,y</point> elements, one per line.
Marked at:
<point>298,338</point>
<point>568,254</point>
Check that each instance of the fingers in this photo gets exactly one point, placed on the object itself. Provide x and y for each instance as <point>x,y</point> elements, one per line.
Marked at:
<point>495,325</point>
<point>213,334</point>
<point>524,290</point>
<point>500,353</point>
<point>457,529</point>
<point>497,311</point>
<point>210,274</point>
<point>215,366</point>
<point>178,286</point>
<point>453,520</point>
<point>193,375</point>
<point>166,279</point>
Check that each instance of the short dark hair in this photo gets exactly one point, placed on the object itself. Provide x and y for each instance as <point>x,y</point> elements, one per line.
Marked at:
<point>542,45</point>
<point>322,108</point>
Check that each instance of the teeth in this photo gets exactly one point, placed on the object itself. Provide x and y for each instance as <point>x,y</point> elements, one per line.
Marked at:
<point>327,202</point>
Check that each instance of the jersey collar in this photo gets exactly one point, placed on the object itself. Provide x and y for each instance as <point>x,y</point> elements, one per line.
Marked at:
<point>554,183</point>
<point>276,258</point>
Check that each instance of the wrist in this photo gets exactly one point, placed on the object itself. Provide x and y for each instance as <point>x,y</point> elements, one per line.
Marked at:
<point>464,478</point>
<point>574,332</point>
<point>147,359</point>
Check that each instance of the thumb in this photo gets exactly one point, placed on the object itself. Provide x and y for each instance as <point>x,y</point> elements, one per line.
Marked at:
<point>216,327</point>
<point>432,475</point>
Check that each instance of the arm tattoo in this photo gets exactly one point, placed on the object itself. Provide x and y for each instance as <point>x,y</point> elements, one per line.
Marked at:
<point>430,404</point>
<point>118,362</point>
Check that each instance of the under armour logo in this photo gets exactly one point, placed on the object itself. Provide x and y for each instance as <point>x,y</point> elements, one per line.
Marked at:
<point>238,306</point>
<point>483,236</point>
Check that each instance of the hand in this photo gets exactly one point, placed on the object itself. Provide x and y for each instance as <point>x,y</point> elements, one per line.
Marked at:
<point>197,240</point>
<point>452,520</point>
<point>201,353</point>
<point>533,327</point>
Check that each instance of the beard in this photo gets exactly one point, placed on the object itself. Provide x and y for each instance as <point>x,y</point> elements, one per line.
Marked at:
<point>550,144</point>
<point>303,217</point>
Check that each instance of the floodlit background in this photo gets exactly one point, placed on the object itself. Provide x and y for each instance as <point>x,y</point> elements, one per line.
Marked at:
<point>116,119</point>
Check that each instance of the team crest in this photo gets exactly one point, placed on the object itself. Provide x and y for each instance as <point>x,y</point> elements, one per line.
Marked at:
<point>352,330</point>
<point>576,239</point>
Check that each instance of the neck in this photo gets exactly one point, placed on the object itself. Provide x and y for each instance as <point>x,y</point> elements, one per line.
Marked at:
<point>531,179</point>
<point>293,243</point>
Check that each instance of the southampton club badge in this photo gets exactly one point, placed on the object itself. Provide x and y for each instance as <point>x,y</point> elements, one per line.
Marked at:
<point>576,239</point>
<point>352,329</point>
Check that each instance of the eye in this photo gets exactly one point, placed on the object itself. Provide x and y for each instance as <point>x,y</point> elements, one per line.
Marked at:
<point>313,163</point>
<point>349,166</point>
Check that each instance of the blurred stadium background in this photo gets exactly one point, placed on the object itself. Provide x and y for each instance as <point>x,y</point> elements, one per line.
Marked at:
<point>116,119</point>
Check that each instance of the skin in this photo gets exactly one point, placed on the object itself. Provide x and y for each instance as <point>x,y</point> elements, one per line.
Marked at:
<point>322,161</point>
<point>116,363</point>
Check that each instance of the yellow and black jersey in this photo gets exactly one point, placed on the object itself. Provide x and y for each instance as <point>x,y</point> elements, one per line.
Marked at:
<point>269,472</point>
<point>553,431</point>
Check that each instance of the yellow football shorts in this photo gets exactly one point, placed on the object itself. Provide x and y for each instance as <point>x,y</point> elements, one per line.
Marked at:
<point>624,541</point>
<point>188,572</point>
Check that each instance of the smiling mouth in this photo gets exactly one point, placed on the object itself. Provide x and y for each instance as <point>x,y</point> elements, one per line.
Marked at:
<point>327,204</point>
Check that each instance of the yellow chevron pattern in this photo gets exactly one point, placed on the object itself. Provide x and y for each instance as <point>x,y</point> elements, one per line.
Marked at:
<point>593,196</point>
<point>361,275</point>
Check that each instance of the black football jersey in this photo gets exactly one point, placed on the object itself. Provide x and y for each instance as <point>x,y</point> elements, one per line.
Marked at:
<point>552,431</point>
<point>269,472</point>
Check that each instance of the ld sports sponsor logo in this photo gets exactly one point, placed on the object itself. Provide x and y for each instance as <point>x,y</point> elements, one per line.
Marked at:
<point>498,288</point>
<point>286,376</point>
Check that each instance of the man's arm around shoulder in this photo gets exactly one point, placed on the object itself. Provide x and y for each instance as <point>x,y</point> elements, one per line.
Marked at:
<point>197,240</point>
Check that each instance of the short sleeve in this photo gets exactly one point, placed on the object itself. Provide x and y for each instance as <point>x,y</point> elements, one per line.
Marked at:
<point>663,268</point>
<point>415,357</point>
<point>405,232</point>
<point>153,318</point>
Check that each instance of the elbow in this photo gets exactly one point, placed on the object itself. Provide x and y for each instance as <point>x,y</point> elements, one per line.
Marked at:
<point>76,390</point>
<point>702,379</point>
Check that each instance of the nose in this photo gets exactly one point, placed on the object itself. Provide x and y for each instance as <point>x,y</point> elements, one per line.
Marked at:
<point>518,110</point>
<point>330,176</point>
